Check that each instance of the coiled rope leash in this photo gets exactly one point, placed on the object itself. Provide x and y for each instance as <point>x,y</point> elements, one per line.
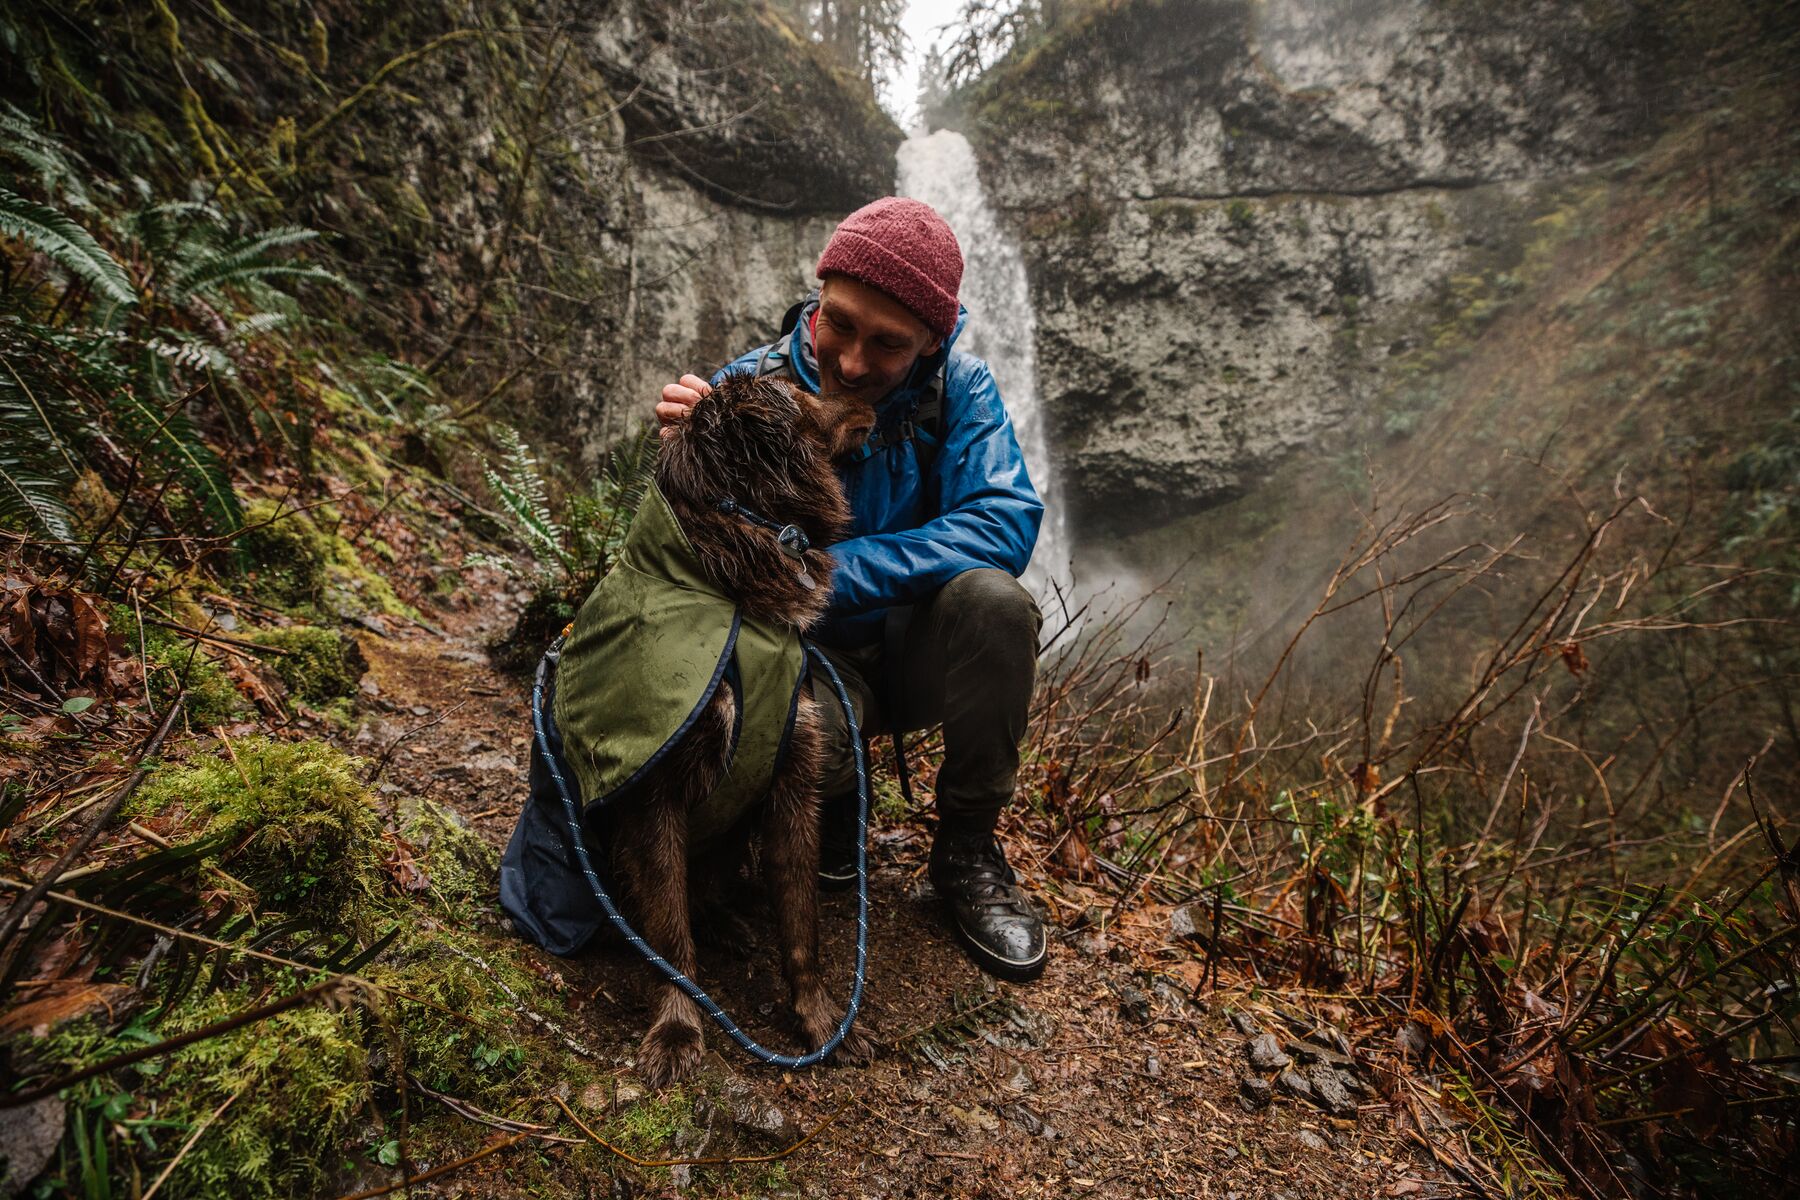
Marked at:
<point>692,989</point>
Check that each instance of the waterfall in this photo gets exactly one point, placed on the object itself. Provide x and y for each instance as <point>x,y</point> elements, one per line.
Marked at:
<point>939,169</point>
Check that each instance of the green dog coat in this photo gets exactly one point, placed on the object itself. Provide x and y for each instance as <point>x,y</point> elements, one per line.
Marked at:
<point>648,649</point>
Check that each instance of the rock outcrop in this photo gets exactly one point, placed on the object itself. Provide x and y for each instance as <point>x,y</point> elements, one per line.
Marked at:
<point>1233,212</point>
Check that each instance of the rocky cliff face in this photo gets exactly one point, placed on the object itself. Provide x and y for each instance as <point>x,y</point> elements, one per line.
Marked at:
<point>1234,213</point>
<point>550,207</point>
<point>593,199</point>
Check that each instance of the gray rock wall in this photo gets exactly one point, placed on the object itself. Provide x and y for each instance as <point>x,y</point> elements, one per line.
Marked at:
<point>1234,212</point>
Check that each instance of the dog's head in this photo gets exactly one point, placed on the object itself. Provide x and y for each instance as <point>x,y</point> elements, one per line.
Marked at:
<point>769,446</point>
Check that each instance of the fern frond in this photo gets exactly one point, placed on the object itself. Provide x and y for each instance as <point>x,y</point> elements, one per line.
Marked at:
<point>519,488</point>
<point>32,498</point>
<point>256,324</point>
<point>177,445</point>
<point>25,141</point>
<point>206,268</point>
<point>73,248</point>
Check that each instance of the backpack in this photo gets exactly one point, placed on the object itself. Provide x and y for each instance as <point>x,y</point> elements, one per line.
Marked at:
<point>923,424</point>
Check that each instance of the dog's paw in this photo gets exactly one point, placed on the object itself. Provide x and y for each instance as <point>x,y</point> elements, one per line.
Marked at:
<point>854,1051</point>
<point>670,1054</point>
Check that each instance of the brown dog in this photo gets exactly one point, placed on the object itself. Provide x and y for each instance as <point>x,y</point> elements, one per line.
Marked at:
<point>769,446</point>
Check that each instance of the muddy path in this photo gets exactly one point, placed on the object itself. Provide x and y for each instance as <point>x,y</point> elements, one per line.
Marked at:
<point>1100,1079</point>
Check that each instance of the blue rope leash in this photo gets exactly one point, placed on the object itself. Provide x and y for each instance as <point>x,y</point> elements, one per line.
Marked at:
<point>693,990</point>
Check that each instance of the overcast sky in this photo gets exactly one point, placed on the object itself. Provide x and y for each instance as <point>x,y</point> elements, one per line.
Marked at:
<point>921,22</point>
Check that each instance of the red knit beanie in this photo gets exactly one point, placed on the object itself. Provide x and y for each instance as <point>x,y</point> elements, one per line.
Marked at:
<point>905,249</point>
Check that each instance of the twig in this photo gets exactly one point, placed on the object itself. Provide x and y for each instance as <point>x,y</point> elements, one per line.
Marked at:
<point>387,755</point>
<point>458,1165</point>
<point>193,1137</point>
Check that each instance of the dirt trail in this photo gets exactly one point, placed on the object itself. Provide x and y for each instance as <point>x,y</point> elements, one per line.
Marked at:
<point>1096,1081</point>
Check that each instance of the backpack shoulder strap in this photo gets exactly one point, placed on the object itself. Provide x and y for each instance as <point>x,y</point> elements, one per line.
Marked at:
<point>777,357</point>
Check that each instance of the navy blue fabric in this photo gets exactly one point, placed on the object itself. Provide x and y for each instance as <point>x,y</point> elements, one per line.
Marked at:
<point>920,520</point>
<point>541,885</point>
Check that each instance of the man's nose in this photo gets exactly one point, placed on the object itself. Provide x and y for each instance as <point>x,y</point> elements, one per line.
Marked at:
<point>851,365</point>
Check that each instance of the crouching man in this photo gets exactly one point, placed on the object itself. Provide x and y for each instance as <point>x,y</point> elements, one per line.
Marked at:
<point>928,622</point>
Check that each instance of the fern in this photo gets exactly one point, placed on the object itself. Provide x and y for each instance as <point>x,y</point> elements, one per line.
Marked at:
<point>520,491</point>
<point>32,497</point>
<point>71,247</point>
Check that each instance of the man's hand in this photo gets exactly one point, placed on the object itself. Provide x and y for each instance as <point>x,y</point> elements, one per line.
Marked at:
<point>677,398</point>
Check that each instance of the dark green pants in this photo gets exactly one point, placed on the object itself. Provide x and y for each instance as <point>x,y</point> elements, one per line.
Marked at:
<point>967,659</point>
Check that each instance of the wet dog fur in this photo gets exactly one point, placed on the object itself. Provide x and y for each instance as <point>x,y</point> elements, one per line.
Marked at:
<point>770,446</point>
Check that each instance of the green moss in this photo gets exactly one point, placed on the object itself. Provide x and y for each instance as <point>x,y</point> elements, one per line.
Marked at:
<point>461,866</point>
<point>320,666</point>
<point>1241,214</point>
<point>174,664</point>
<point>297,825</point>
<point>297,566</point>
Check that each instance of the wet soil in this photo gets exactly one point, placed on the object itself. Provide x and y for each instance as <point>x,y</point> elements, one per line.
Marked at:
<point>1100,1079</point>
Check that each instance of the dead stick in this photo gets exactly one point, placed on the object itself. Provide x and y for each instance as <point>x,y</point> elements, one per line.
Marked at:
<point>458,1165</point>
<point>193,1137</point>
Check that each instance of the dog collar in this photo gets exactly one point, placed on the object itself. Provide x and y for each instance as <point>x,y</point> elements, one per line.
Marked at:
<point>791,538</point>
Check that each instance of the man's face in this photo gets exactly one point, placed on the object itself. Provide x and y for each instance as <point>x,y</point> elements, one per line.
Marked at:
<point>866,340</point>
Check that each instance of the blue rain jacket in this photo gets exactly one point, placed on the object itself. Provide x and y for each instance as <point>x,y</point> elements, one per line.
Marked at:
<point>916,526</point>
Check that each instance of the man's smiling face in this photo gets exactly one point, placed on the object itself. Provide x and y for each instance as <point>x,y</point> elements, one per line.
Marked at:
<point>866,341</point>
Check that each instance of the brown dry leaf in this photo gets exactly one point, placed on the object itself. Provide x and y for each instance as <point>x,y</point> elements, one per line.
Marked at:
<point>1075,857</point>
<point>59,1002</point>
<point>401,866</point>
<point>261,687</point>
<point>1575,658</point>
<point>1366,776</point>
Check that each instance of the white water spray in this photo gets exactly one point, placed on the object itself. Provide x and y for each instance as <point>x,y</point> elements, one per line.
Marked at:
<point>939,169</point>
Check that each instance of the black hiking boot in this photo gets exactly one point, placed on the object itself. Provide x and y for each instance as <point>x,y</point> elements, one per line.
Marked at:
<point>837,843</point>
<point>995,923</point>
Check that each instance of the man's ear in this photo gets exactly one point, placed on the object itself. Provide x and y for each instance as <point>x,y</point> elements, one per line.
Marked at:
<point>936,345</point>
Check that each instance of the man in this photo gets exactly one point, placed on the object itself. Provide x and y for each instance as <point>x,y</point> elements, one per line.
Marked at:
<point>928,622</point>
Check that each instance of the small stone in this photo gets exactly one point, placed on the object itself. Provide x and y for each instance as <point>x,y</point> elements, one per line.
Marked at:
<point>1329,1092</point>
<point>1254,1093</point>
<point>1027,1121</point>
<point>419,710</point>
<point>752,1114</point>
<point>1293,1083</point>
<point>1153,1067</point>
<point>368,686</point>
<point>1243,1022</point>
<point>1265,1053</point>
<point>1134,1004</point>
<point>1312,1052</point>
<point>28,1139</point>
<point>1186,922</point>
<point>1313,1141</point>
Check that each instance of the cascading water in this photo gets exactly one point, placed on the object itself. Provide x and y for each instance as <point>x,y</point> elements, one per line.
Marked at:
<point>939,169</point>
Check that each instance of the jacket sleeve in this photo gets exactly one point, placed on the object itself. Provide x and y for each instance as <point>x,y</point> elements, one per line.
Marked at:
<point>988,511</point>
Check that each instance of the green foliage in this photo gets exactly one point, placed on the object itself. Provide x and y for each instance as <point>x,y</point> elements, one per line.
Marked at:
<point>320,666</point>
<point>299,567</point>
<point>107,354</point>
<point>575,548</point>
<point>174,664</point>
<point>71,247</point>
<point>294,821</point>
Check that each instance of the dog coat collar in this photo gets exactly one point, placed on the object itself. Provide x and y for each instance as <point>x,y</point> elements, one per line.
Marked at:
<point>649,647</point>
